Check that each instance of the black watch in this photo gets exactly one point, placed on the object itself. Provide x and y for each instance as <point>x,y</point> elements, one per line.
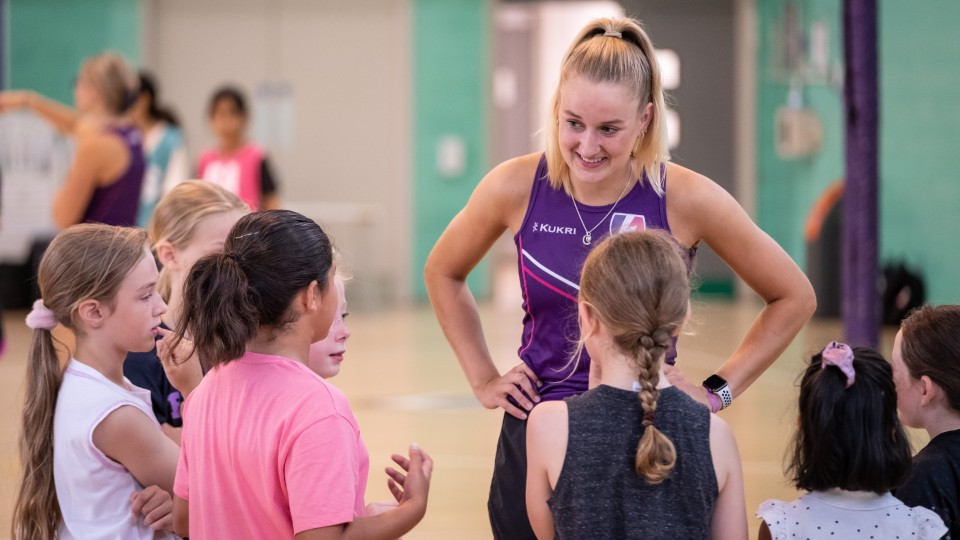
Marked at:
<point>718,386</point>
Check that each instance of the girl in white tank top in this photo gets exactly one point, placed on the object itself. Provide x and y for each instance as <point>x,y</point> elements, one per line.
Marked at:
<point>89,439</point>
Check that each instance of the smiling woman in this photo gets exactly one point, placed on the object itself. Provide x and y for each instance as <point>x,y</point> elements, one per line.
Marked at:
<point>605,170</point>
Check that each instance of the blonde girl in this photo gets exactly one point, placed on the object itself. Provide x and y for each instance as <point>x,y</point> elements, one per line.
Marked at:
<point>89,441</point>
<point>190,221</point>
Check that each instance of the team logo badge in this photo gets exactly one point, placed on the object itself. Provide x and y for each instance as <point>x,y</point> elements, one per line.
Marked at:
<point>621,222</point>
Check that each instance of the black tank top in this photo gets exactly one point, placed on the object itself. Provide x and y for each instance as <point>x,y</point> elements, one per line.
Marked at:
<point>598,493</point>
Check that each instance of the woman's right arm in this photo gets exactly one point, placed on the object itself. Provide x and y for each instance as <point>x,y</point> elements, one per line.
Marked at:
<point>730,511</point>
<point>63,118</point>
<point>498,203</point>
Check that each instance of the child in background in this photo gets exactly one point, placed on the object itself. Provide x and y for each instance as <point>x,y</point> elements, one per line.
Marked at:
<point>189,222</point>
<point>163,147</point>
<point>926,370</point>
<point>849,451</point>
<point>269,449</point>
<point>633,457</point>
<point>236,164</point>
<point>89,441</point>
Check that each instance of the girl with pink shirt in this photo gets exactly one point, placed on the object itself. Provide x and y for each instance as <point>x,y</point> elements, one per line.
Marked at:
<point>236,164</point>
<point>270,449</point>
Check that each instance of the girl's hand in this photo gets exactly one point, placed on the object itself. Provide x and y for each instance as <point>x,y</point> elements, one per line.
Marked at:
<point>156,507</point>
<point>677,379</point>
<point>412,488</point>
<point>519,383</point>
<point>182,365</point>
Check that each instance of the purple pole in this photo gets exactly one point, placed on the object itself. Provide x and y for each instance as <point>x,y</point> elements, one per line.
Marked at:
<point>861,300</point>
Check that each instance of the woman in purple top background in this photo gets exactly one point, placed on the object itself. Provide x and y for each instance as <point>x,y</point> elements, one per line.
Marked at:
<point>104,180</point>
<point>606,169</point>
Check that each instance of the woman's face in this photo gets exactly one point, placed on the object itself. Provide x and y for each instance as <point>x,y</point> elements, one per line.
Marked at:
<point>227,121</point>
<point>600,125</point>
<point>909,389</point>
<point>326,355</point>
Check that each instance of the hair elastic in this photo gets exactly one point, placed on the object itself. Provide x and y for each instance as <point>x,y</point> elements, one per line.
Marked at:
<point>613,33</point>
<point>41,318</point>
<point>839,355</point>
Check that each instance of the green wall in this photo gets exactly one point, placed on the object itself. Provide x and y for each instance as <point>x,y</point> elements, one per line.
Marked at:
<point>920,140</point>
<point>450,65</point>
<point>49,39</point>
<point>919,135</point>
<point>786,189</point>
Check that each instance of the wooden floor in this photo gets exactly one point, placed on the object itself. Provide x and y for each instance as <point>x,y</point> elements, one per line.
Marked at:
<point>405,386</point>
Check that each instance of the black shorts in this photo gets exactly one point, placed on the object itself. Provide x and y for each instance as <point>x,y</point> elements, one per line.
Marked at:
<point>507,504</point>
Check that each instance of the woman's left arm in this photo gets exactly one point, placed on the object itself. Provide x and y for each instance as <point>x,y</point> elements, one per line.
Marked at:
<point>700,210</point>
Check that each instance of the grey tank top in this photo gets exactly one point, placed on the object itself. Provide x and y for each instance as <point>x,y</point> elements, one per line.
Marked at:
<point>599,494</point>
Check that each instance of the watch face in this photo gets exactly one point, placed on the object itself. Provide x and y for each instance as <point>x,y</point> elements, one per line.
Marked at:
<point>714,383</point>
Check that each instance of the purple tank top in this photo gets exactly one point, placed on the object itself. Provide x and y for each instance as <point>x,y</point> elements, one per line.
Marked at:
<point>550,254</point>
<point>117,204</point>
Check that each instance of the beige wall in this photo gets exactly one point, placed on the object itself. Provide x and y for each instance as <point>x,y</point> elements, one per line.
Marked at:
<point>344,159</point>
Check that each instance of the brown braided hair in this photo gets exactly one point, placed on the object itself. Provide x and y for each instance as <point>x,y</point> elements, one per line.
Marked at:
<point>637,286</point>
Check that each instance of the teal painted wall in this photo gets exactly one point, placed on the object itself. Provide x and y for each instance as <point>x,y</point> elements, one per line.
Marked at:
<point>920,140</point>
<point>49,39</point>
<point>919,135</point>
<point>450,66</point>
<point>787,188</point>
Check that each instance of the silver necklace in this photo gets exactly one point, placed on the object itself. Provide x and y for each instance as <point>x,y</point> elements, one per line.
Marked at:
<point>588,236</point>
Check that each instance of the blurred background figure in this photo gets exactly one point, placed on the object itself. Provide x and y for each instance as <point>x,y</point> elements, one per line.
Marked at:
<point>163,147</point>
<point>235,163</point>
<point>104,179</point>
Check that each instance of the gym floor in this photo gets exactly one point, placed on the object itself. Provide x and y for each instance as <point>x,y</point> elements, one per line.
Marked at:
<point>405,386</point>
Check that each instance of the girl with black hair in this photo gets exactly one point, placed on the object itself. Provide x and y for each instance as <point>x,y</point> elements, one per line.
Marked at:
<point>270,449</point>
<point>849,452</point>
<point>163,147</point>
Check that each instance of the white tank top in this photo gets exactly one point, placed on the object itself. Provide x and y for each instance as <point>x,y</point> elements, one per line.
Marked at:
<point>93,490</point>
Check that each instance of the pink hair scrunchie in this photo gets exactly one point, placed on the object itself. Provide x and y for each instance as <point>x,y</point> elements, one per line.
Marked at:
<point>41,318</point>
<point>839,355</point>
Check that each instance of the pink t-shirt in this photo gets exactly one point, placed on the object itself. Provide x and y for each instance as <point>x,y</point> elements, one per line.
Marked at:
<point>269,450</point>
<point>238,173</point>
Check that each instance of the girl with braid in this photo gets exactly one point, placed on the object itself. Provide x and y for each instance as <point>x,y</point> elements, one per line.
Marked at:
<point>633,456</point>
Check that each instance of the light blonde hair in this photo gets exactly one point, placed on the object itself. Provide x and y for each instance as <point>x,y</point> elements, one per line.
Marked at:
<point>178,213</point>
<point>637,286</point>
<point>84,262</point>
<point>115,81</point>
<point>627,60</point>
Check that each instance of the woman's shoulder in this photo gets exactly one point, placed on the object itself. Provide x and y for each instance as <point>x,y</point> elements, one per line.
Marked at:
<point>512,179</point>
<point>505,191</point>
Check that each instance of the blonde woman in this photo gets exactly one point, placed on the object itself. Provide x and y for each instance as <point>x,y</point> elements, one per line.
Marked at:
<point>104,180</point>
<point>606,169</point>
